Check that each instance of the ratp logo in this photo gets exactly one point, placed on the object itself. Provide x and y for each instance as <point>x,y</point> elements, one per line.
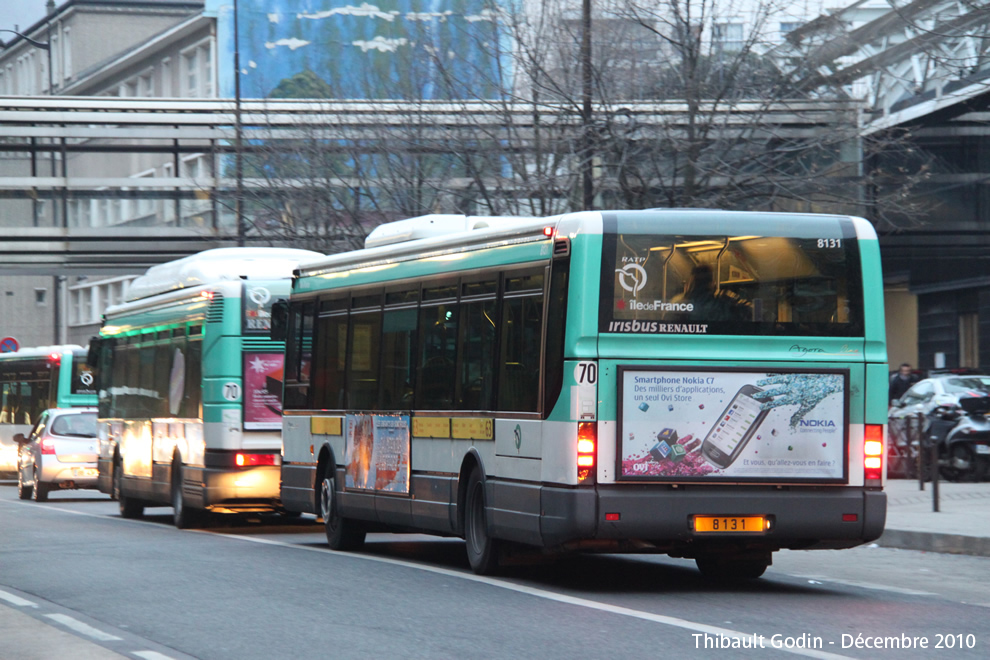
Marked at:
<point>632,278</point>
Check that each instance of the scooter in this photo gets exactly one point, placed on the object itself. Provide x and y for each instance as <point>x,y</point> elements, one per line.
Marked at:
<point>964,451</point>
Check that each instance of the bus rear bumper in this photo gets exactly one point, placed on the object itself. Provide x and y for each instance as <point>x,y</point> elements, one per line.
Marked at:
<point>242,491</point>
<point>660,517</point>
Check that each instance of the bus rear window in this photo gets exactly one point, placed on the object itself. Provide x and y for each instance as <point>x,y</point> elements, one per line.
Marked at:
<point>731,285</point>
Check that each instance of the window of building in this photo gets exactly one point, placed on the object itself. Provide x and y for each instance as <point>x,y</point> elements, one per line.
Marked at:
<point>66,55</point>
<point>166,77</point>
<point>41,297</point>
<point>197,71</point>
<point>729,37</point>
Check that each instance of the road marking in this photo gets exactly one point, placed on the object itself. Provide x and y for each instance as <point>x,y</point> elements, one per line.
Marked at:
<point>16,600</point>
<point>151,655</point>
<point>821,579</point>
<point>83,628</point>
<point>547,595</point>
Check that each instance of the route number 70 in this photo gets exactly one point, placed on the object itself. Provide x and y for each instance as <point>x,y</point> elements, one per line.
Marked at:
<point>586,373</point>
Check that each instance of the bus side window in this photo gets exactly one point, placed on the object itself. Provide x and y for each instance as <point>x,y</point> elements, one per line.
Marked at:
<point>437,356</point>
<point>298,355</point>
<point>362,375</point>
<point>330,362</point>
<point>192,401</point>
<point>398,356</point>
<point>478,346</point>
<point>522,327</point>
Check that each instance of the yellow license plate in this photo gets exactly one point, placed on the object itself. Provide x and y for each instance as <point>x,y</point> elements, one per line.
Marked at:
<point>731,524</point>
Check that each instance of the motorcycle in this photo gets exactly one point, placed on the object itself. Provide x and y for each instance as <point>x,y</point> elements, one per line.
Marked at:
<point>964,450</point>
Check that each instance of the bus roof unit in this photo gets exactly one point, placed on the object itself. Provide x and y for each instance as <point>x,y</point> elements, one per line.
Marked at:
<point>219,265</point>
<point>43,351</point>
<point>430,226</point>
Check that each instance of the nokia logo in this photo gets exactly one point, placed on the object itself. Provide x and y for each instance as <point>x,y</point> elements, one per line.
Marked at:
<point>817,423</point>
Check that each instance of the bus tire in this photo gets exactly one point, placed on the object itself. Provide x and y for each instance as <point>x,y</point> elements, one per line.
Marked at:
<point>342,533</point>
<point>129,507</point>
<point>183,515</point>
<point>727,568</point>
<point>482,549</point>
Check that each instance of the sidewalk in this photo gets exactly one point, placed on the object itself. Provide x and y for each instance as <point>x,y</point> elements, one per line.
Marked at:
<point>25,638</point>
<point>961,526</point>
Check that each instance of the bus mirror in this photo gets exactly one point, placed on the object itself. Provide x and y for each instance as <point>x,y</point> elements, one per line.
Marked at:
<point>280,320</point>
<point>93,356</point>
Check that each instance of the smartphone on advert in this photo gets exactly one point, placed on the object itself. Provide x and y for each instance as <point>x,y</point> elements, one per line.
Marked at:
<point>734,427</point>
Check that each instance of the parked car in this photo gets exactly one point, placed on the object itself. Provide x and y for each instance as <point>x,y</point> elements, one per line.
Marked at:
<point>939,397</point>
<point>58,454</point>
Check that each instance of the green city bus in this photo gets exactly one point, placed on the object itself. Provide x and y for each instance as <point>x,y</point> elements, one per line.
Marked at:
<point>705,384</point>
<point>33,380</point>
<point>190,383</point>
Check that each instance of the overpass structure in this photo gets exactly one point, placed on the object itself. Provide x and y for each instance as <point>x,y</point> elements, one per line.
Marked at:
<point>114,185</point>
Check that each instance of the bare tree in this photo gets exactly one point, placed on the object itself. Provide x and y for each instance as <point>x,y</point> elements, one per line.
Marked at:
<point>694,104</point>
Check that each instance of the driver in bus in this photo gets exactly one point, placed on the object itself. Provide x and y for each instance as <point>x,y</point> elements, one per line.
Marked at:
<point>709,304</point>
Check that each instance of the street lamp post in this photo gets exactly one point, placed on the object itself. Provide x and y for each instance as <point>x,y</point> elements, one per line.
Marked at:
<point>58,279</point>
<point>587,161</point>
<point>47,47</point>
<point>238,137</point>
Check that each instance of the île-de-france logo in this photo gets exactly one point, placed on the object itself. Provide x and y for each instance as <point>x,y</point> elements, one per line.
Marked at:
<point>632,278</point>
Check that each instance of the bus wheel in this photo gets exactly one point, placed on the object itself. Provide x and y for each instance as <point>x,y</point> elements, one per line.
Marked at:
<point>184,516</point>
<point>730,568</point>
<point>482,549</point>
<point>129,507</point>
<point>342,533</point>
<point>40,491</point>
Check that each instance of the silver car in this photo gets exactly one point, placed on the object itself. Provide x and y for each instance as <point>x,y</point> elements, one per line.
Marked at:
<point>59,453</point>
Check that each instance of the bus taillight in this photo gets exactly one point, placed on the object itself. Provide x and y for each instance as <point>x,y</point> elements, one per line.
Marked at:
<point>250,460</point>
<point>873,454</point>
<point>586,446</point>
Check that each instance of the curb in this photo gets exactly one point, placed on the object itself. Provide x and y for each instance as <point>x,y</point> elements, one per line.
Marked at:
<point>955,544</point>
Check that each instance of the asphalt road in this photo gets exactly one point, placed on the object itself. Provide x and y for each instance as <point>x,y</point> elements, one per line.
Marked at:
<point>269,588</point>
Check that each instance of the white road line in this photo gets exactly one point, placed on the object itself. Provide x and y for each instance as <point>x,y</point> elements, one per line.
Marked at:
<point>83,628</point>
<point>865,585</point>
<point>549,595</point>
<point>16,600</point>
<point>151,655</point>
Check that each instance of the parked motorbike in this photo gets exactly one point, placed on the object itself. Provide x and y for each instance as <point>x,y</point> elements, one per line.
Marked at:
<point>964,450</point>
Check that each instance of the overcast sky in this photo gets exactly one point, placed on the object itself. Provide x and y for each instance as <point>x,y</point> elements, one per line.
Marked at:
<point>23,13</point>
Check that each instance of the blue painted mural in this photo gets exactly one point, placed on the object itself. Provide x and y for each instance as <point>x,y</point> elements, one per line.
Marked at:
<point>379,49</point>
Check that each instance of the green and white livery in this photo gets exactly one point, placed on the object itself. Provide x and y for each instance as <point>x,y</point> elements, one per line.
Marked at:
<point>190,385</point>
<point>705,384</point>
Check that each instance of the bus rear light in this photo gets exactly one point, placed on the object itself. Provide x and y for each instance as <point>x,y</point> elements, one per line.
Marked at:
<point>586,446</point>
<point>250,460</point>
<point>55,358</point>
<point>612,517</point>
<point>47,446</point>
<point>873,453</point>
<point>548,231</point>
<point>850,517</point>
